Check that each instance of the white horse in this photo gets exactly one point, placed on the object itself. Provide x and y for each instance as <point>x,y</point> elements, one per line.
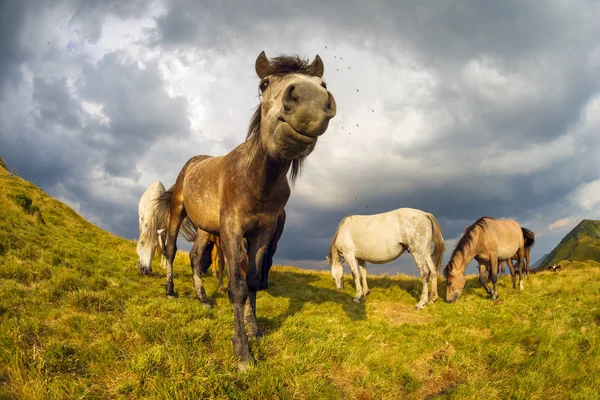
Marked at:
<point>382,238</point>
<point>152,238</point>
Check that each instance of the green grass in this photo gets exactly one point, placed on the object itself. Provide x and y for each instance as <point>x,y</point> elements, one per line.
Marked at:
<point>581,244</point>
<point>78,321</point>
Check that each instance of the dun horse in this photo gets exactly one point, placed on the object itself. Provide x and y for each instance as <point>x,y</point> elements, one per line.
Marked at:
<point>243,193</point>
<point>382,238</point>
<point>529,242</point>
<point>488,241</point>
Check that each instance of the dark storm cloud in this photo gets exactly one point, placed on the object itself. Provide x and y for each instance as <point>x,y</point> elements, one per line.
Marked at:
<point>51,140</point>
<point>139,110</point>
<point>12,53</point>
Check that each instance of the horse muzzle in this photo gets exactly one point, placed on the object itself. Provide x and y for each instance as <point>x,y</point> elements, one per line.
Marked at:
<point>144,270</point>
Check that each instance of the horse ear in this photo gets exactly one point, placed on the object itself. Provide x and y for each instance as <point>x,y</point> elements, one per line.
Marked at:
<point>262,65</point>
<point>328,259</point>
<point>317,67</point>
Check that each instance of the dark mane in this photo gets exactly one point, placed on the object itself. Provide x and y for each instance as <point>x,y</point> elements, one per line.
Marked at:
<point>283,65</point>
<point>279,66</point>
<point>466,240</point>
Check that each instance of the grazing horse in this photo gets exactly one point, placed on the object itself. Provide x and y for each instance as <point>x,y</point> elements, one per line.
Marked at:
<point>489,241</point>
<point>241,194</point>
<point>151,225</point>
<point>529,242</point>
<point>553,267</point>
<point>382,238</point>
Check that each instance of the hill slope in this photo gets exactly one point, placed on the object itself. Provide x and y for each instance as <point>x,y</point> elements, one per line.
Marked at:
<point>581,244</point>
<point>539,262</point>
<point>78,321</point>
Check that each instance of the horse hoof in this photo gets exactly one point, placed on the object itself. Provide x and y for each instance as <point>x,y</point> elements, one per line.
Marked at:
<point>258,334</point>
<point>433,300</point>
<point>419,307</point>
<point>367,292</point>
<point>172,295</point>
<point>356,300</point>
<point>243,366</point>
<point>207,306</point>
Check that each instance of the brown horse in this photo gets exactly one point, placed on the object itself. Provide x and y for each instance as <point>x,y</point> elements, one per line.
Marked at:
<point>529,242</point>
<point>488,241</point>
<point>241,194</point>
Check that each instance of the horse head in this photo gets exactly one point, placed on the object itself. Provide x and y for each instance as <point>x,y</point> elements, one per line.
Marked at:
<point>296,106</point>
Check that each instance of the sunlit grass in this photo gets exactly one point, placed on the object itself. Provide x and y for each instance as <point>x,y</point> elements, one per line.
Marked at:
<point>78,321</point>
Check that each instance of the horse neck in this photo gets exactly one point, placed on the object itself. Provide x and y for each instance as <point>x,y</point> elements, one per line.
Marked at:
<point>462,258</point>
<point>265,172</point>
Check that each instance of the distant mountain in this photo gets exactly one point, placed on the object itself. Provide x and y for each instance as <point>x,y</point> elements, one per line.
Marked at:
<point>538,263</point>
<point>581,244</point>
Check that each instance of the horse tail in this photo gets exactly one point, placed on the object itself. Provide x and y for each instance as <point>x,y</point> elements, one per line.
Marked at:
<point>162,214</point>
<point>438,242</point>
<point>188,230</point>
<point>529,237</point>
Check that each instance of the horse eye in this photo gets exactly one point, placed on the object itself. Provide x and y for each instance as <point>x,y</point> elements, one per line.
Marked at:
<point>264,85</point>
<point>324,85</point>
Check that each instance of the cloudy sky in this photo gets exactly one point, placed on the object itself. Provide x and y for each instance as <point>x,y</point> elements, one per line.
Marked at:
<point>459,108</point>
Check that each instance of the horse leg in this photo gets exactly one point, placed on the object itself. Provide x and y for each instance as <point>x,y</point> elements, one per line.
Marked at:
<point>257,246</point>
<point>520,266</point>
<point>351,260</point>
<point>220,265</point>
<point>425,272</point>
<point>433,278</point>
<point>511,268</point>
<point>214,260</point>
<point>199,258</point>
<point>362,265</point>
<point>238,294</point>
<point>494,276</point>
<point>482,278</point>
<point>176,217</point>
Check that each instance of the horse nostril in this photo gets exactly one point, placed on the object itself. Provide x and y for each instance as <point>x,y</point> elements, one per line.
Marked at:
<point>290,97</point>
<point>331,106</point>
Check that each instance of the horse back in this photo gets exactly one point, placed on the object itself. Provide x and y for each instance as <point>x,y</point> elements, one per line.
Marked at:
<point>505,237</point>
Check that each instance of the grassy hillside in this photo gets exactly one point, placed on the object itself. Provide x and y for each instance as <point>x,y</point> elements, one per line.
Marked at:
<point>78,321</point>
<point>581,244</point>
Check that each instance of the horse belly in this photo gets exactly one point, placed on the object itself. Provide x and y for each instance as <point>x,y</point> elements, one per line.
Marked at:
<point>376,249</point>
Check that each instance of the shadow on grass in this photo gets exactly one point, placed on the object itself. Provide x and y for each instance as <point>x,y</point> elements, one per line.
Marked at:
<point>413,285</point>
<point>297,287</point>
<point>408,284</point>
